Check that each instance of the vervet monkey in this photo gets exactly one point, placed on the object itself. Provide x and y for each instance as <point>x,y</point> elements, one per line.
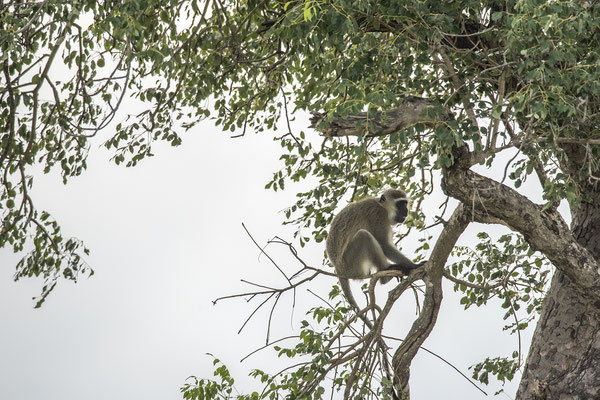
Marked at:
<point>360,239</point>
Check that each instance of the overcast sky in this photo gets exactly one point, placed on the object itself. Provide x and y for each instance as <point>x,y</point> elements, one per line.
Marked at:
<point>166,239</point>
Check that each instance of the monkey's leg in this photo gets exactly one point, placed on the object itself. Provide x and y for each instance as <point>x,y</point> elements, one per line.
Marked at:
<point>362,253</point>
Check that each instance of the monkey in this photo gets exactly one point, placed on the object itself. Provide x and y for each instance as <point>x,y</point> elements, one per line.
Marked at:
<point>360,240</point>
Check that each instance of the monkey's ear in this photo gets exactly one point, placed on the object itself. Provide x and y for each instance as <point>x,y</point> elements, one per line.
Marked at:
<point>382,198</point>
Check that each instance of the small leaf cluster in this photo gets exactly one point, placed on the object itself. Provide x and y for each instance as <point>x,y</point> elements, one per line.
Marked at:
<point>206,389</point>
<point>53,257</point>
<point>505,268</point>
<point>502,368</point>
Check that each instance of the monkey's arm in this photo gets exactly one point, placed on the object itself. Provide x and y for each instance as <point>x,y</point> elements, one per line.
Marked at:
<point>402,263</point>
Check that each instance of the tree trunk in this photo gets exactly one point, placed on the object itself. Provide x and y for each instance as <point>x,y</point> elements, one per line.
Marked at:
<point>564,357</point>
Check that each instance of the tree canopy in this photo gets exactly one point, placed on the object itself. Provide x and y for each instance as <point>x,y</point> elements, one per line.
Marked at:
<point>415,94</point>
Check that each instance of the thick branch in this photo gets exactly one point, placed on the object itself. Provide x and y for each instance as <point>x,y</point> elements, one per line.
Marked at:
<point>545,231</point>
<point>412,111</point>
<point>424,324</point>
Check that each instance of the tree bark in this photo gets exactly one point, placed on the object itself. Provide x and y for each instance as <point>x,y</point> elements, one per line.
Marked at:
<point>432,301</point>
<point>564,357</point>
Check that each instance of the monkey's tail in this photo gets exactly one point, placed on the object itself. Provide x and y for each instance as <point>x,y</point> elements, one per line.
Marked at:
<point>345,285</point>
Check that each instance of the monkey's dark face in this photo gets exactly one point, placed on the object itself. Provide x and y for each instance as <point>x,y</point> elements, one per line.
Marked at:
<point>401,211</point>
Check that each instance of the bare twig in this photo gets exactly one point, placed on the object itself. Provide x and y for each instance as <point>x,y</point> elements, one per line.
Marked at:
<point>268,256</point>
<point>449,276</point>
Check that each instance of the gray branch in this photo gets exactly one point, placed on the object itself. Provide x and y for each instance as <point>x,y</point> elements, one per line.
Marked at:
<point>424,324</point>
<point>412,111</point>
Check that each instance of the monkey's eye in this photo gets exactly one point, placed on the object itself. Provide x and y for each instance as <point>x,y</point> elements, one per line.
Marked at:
<point>402,206</point>
<point>382,199</point>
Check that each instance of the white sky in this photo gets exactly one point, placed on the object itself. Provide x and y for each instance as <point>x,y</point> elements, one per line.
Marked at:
<point>165,240</point>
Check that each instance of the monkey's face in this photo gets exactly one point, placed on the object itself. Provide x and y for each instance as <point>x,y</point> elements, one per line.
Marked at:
<point>401,210</point>
<point>396,204</point>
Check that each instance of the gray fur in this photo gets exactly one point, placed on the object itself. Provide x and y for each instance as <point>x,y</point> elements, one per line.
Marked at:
<point>360,240</point>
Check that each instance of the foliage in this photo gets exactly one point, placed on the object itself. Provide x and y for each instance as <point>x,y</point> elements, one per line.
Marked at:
<point>522,75</point>
<point>499,267</point>
<point>200,389</point>
<point>505,268</point>
<point>320,352</point>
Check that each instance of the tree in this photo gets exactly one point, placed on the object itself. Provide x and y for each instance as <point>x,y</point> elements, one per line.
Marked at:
<point>415,94</point>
